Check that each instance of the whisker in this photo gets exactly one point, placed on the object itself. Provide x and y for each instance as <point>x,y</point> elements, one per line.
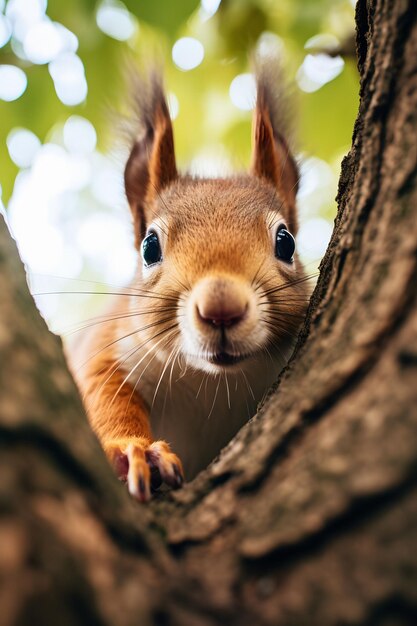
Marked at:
<point>276,346</point>
<point>281,329</point>
<point>170,377</point>
<point>114,367</point>
<point>111,343</point>
<point>182,285</point>
<point>95,321</point>
<point>284,314</point>
<point>262,278</point>
<point>291,283</point>
<point>161,376</point>
<point>119,362</point>
<point>256,274</point>
<point>227,389</point>
<point>134,368</point>
<point>215,398</point>
<point>199,388</point>
<point>265,349</point>
<point>77,280</point>
<point>146,367</point>
<point>105,293</point>
<point>248,385</point>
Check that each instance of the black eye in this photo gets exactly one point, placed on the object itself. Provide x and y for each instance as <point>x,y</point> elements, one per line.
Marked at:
<point>285,245</point>
<point>151,249</point>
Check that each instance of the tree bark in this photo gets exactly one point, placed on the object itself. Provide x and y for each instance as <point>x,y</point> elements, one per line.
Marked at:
<point>309,516</point>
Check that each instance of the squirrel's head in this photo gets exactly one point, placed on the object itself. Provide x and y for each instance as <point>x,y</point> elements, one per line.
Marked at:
<point>219,273</point>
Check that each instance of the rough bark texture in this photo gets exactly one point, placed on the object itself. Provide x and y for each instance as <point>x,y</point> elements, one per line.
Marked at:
<point>309,517</point>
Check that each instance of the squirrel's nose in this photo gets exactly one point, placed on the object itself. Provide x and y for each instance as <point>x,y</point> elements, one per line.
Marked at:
<point>221,301</point>
<point>221,315</point>
<point>224,307</point>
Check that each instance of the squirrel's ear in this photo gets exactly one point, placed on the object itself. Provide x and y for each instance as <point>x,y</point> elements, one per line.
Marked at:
<point>271,155</point>
<point>151,163</point>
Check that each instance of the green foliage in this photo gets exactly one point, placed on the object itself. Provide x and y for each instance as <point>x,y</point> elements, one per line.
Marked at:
<point>164,15</point>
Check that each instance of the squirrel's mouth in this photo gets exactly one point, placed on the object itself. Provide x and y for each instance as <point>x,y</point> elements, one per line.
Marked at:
<point>224,358</point>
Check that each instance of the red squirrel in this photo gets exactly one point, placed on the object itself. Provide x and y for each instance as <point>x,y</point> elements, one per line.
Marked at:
<point>192,346</point>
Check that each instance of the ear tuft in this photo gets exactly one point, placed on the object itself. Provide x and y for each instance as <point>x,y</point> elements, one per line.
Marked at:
<point>271,156</point>
<point>151,164</point>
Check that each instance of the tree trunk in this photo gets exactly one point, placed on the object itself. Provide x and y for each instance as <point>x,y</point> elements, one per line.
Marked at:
<point>309,517</point>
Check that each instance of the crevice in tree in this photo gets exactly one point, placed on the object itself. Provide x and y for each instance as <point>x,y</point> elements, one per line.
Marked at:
<point>396,610</point>
<point>179,549</point>
<point>407,358</point>
<point>408,185</point>
<point>362,28</point>
<point>40,439</point>
<point>359,512</point>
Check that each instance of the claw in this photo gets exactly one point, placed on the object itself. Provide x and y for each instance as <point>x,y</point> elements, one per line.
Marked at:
<point>159,455</point>
<point>144,466</point>
<point>178,475</point>
<point>142,490</point>
<point>139,475</point>
<point>139,487</point>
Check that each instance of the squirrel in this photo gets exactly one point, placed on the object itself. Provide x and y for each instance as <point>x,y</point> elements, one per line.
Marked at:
<point>191,347</point>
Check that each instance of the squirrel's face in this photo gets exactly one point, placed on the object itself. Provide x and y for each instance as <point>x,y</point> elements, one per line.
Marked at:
<point>218,268</point>
<point>219,256</point>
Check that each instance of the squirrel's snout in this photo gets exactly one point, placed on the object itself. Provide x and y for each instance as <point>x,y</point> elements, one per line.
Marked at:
<point>221,302</point>
<point>221,326</point>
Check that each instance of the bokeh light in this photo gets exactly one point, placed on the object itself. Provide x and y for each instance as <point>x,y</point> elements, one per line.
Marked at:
<point>79,135</point>
<point>23,146</point>
<point>5,30</point>
<point>210,7</point>
<point>317,70</point>
<point>243,91</point>
<point>23,14</point>
<point>42,42</point>
<point>114,20</point>
<point>46,40</point>
<point>67,72</point>
<point>270,46</point>
<point>322,42</point>
<point>2,207</point>
<point>187,53</point>
<point>13,82</point>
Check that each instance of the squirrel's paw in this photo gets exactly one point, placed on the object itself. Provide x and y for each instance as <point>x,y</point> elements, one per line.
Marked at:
<point>144,465</point>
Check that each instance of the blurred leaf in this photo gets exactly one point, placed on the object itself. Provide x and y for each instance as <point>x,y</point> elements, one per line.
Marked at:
<point>240,25</point>
<point>166,15</point>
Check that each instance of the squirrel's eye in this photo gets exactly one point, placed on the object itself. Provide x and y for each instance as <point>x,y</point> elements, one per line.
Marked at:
<point>151,249</point>
<point>285,245</point>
